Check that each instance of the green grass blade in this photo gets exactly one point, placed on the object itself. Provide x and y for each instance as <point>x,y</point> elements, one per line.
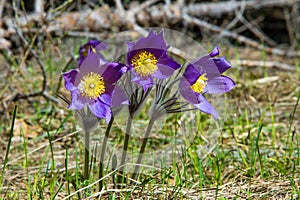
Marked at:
<point>8,144</point>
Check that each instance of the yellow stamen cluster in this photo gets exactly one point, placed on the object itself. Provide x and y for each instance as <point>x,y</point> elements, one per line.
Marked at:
<point>92,85</point>
<point>200,84</point>
<point>144,63</point>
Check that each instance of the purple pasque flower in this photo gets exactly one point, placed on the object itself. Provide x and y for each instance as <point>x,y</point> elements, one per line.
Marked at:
<point>148,59</point>
<point>94,46</point>
<point>204,76</point>
<point>93,84</point>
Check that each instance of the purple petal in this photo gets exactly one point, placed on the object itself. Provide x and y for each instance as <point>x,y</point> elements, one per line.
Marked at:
<point>70,78</point>
<point>109,88</point>
<point>220,85</point>
<point>119,97</point>
<point>105,98</point>
<point>129,57</point>
<point>191,74</point>
<point>206,107</point>
<point>100,110</point>
<point>222,64</point>
<point>145,82</point>
<point>213,67</point>
<point>214,52</point>
<point>162,72</point>
<point>100,46</point>
<point>87,49</point>
<point>112,72</point>
<point>93,43</point>
<point>130,45</point>
<point>158,53</point>
<point>152,41</point>
<point>166,67</point>
<point>196,99</point>
<point>90,64</point>
<point>78,101</point>
<point>187,93</point>
<point>167,61</point>
<point>208,65</point>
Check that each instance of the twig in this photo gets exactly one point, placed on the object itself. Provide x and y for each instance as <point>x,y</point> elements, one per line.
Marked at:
<point>120,7</point>
<point>35,56</point>
<point>61,6</point>
<point>238,17</point>
<point>289,25</point>
<point>40,63</point>
<point>130,15</point>
<point>255,23</point>
<point>39,6</point>
<point>296,20</point>
<point>292,24</point>
<point>257,32</point>
<point>142,6</point>
<point>267,64</point>
<point>50,97</point>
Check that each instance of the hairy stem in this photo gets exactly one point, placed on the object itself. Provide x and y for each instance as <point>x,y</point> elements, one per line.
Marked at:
<point>125,147</point>
<point>103,149</point>
<point>86,153</point>
<point>142,149</point>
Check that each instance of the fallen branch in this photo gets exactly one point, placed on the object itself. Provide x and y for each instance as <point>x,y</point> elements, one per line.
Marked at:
<point>218,9</point>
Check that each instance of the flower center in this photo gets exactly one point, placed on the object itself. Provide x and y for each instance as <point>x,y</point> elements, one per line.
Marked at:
<point>85,53</point>
<point>200,84</point>
<point>92,85</point>
<point>144,63</point>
